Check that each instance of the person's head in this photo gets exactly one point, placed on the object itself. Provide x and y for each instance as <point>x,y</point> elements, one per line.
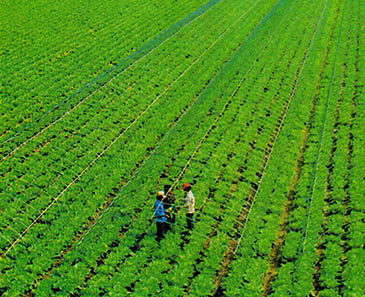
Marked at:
<point>166,188</point>
<point>186,187</point>
<point>160,195</point>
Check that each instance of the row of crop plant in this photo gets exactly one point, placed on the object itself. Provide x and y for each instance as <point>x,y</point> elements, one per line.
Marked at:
<point>209,156</point>
<point>334,240</point>
<point>256,236</point>
<point>52,162</point>
<point>352,120</point>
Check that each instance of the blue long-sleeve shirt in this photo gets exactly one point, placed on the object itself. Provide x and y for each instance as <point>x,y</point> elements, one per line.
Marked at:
<point>159,211</point>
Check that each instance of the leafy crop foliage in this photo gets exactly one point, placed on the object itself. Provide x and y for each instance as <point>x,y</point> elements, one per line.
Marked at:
<point>258,104</point>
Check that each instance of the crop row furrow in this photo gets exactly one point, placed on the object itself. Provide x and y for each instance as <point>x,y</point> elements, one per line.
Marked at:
<point>100,154</point>
<point>219,174</point>
<point>165,174</point>
<point>256,104</point>
<point>254,191</point>
<point>92,220</point>
<point>245,208</point>
<point>98,215</point>
<point>137,245</point>
<point>103,23</point>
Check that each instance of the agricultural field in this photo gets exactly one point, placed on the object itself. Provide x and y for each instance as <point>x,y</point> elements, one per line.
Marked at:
<point>258,104</point>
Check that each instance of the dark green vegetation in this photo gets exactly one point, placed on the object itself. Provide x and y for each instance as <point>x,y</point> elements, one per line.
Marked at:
<point>259,104</point>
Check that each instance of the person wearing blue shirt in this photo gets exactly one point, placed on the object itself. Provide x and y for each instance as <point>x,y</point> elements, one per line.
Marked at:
<point>160,215</point>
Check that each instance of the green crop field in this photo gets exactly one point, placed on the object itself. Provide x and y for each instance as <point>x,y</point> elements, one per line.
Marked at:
<point>258,104</point>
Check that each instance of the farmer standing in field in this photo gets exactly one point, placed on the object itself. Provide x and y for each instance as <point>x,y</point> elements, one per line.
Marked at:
<point>160,215</point>
<point>170,208</point>
<point>189,205</point>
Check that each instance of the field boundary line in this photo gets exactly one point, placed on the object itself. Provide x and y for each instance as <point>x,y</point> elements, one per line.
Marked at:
<point>99,155</point>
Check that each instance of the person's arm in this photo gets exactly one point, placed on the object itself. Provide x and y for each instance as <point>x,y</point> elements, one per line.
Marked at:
<point>187,201</point>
